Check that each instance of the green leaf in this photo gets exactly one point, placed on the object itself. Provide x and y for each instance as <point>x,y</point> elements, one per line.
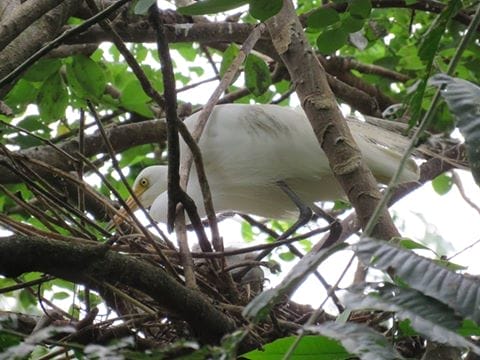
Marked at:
<point>134,98</point>
<point>331,40</point>
<point>340,204</point>
<point>52,98</point>
<point>358,339</point>
<point>286,256</point>
<point>257,75</point>
<point>322,17</point>
<point>360,8</point>
<point>211,7</point>
<point>42,70</point>
<point>431,40</point>
<point>247,232</point>
<point>187,51</point>
<point>352,24</point>
<point>23,93</point>
<point>428,316</point>
<point>61,295</point>
<point>442,184</point>
<point>26,299</point>
<point>264,9</point>
<point>141,7</point>
<point>410,244</point>
<point>8,340</point>
<point>228,56</point>
<point>89,75</point>
<point>32,123</point>
<point>309,347</point>
<point>459,292</point>
<point>462,98</point>
<point>406,328</point>
<point>469,328</point>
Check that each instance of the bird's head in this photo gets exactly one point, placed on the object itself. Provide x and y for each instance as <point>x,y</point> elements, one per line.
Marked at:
<point>149,184</point>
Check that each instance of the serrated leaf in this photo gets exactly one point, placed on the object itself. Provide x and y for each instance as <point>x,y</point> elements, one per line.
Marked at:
<point>264,9</point>
<point>331,40</point>
<point>358,339</point>
<point>257,75</point>
<point>463,100</point>
<point>52,98</point>
<point>211,7</point>
<point>428,316</point>
<point>309,347</point>
<point>461,293</point>
<point>360,8</point>
<point>322,17</point>
<point>442,184</point>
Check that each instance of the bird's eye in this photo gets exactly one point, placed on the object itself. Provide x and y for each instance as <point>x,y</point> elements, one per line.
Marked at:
<point>144,182</point>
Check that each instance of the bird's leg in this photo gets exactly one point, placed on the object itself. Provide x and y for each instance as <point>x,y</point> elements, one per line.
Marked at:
<point>305,213</point>
<point>335,225</point>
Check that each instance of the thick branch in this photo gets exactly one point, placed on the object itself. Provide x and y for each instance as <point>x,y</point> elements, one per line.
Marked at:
<point>23,17</point>
<point>318,101</point>
<point>122,137</point>
<point>37,34</point>
<point>93,265</point>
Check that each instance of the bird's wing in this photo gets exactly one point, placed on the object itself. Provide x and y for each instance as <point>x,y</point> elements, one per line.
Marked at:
<point>258,144</point>
<point>382,150</point>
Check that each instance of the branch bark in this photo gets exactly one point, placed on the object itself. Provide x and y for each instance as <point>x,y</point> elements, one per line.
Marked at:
<point>122,138</point>
<point>318,101</point>
<point>33,37</point>
<point>23,16</point>
<point>93,265</point>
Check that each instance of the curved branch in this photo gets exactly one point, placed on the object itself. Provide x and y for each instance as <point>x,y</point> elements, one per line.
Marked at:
<point>93,265</point>
<point>122,137</point>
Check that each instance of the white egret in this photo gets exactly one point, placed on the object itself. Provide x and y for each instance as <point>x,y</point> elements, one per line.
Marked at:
<point>247,149</point>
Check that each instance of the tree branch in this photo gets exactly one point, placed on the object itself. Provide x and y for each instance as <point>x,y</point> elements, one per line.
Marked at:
<point>122,137</point>
<point>93,265</point>
<point>332,132</point>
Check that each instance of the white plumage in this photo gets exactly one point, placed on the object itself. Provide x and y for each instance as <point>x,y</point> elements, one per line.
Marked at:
<point>248,148</point>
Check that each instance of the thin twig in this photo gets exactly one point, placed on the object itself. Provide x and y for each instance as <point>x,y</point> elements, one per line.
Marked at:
<point>59,40</point>
<point>176,194</point>
<point>458,183</point>
<point>207,110</point>
<point>427,119</point>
